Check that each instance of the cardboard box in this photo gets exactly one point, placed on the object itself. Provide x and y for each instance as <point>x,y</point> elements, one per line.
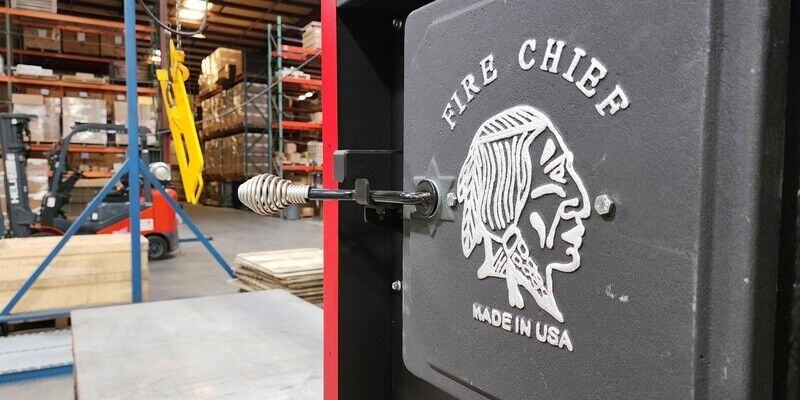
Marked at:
<point>111,98</point>
<point>77,110</point>
<point>80,43</point>
<point>98,162</point>
<point>117,71</point>
<point>41,38</point>
<point>314,152</point>
<point>112,46</point>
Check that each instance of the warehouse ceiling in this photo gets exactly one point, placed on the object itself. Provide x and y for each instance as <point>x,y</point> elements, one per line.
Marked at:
<point>237,24</point>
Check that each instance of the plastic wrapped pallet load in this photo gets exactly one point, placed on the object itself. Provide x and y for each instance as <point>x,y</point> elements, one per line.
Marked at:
<point>37,171</point>
<point>52,118</point>
<point>36,5</point>
<point>77,110</point>
<point>32,104</point>
<point>147,118</point>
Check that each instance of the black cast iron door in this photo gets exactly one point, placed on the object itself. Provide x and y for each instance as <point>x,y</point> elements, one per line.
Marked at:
<point>569,141</point>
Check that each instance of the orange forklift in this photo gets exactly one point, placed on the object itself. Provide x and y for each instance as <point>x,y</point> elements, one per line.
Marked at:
<point>158,220</point>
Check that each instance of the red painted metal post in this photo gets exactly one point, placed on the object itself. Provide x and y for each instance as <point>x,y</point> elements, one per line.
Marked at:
<point>330,142</point>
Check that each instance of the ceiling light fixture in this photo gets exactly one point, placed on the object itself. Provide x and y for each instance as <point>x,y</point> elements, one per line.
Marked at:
<point>190,15</point>
<point>196,5</point>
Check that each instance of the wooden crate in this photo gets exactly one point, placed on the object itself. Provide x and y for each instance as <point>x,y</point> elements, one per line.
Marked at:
<point>80,43</point>
<point>41,38</point>
<point>91,270</point>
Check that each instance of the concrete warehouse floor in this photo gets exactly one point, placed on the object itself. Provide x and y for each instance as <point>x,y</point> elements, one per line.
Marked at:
<point>193,272</point>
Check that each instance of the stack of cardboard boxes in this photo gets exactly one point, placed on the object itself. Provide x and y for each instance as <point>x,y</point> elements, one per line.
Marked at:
<point>222,64</point>
<point>224,112</point>
<point>238,156</point>
<point>312,155</point>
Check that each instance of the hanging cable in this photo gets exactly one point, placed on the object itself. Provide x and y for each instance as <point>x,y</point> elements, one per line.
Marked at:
<point>252,99</point>
<point>178,32</point>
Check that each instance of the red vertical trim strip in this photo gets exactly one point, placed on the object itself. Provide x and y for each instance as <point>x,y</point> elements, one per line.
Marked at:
<point>330,209</point>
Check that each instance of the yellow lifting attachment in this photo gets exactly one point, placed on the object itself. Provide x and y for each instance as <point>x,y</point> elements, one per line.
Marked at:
<point>181,123</point>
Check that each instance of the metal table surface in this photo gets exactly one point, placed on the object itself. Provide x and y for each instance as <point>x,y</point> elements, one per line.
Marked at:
<point>262,345</point>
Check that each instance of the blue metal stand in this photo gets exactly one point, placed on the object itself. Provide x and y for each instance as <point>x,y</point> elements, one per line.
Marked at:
<point>133,166</point>
<point>39,373</point>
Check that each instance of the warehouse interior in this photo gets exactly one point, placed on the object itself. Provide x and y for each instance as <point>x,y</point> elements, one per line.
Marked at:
<point>399,199</point>
<point>250,72</point>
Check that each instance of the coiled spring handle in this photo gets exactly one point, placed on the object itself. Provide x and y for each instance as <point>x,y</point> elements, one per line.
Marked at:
<point>268,194</point>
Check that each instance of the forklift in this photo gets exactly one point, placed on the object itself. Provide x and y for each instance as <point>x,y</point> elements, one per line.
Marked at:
<point>158,221</point>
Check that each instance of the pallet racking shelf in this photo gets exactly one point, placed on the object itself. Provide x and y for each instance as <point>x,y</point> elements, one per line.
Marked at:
<point>48,54</point>
<point>299,126</point>
<point>71,19</point>
<point>91,174</point>
<point>313,84</point>
<point>280,55</point>
<point>145,36</point>
<point>73,85</point>
<point>78,148</point>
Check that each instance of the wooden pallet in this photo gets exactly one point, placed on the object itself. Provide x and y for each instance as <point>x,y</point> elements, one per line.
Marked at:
<point>80,79</point>
<point>298,271</point>
<point>34,326</point>
<point>40,77</point>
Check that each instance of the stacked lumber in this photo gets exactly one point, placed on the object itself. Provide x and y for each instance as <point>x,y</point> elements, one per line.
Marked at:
<point>90,270</point>
<point>312,36</point>
<point>297,271</point>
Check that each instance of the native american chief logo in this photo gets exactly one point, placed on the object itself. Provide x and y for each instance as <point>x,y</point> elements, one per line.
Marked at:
<point>524,202</point>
